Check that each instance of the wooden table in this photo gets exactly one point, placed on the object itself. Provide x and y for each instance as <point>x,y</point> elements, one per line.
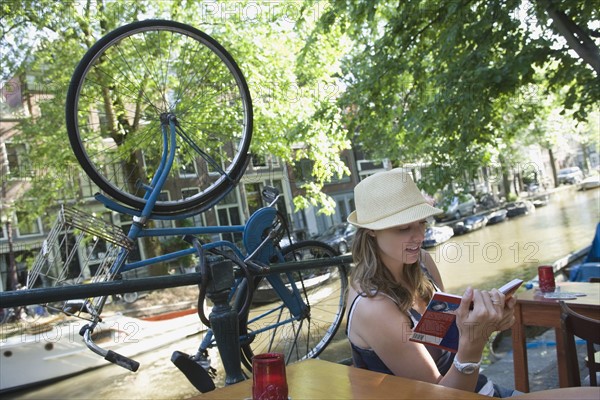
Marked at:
<point>534,310</point>
<point>318,379</point>
<point>575,393</point>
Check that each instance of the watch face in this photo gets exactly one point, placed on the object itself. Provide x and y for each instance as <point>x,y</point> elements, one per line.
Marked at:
<point>469,369</point>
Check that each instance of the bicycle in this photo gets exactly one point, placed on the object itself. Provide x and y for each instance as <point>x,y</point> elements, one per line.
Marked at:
<point>138,114</point>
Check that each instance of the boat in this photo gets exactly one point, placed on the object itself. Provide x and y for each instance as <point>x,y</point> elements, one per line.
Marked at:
<point>51,348</point>
<point>590,182</point>
<point>589,267</point>
<point>435,235</point>
<point>518,208</point>
<point>497,216</point>
<point>540,200</point>
<point>470,224</point>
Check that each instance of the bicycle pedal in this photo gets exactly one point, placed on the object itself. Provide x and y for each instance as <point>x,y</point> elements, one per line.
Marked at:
<point>194,372</point>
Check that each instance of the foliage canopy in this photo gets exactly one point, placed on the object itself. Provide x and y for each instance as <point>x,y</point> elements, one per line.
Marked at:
<point>449,83</point>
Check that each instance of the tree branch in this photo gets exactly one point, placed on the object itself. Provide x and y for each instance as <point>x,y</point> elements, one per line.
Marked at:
<point>576,38</point>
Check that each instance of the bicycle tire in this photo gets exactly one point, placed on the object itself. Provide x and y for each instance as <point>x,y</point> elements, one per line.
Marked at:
<point>310,333</point>
<point>115,99</point>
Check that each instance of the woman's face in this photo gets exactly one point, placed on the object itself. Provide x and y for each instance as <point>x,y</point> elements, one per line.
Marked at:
<point>401,244</point>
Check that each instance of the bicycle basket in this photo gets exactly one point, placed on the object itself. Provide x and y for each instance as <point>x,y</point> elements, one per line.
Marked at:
<point>79,249</point>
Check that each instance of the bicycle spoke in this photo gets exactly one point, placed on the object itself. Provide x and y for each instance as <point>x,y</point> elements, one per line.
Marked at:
<point>137,73</point>
<point>306,334</point>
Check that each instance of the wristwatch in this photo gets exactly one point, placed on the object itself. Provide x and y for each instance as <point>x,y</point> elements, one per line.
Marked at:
<point>466,368</point>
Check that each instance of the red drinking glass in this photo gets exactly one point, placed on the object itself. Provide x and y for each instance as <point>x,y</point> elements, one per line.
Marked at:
<point>546,278</point>
<point>268,377</point>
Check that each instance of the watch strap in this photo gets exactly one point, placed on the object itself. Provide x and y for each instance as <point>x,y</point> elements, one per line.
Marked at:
<point>466,368</point>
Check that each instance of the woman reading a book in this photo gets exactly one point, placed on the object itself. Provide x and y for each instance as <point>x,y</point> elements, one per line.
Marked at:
<point>392,284</point>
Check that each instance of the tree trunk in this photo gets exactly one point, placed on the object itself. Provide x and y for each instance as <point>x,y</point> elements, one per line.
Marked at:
<point>13,278</point>
<point>586,158</point>
<point>505,180</point>
<point>553,165</point>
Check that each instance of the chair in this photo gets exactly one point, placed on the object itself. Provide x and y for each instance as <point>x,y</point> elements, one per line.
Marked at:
<point>587,271</point>
<point>588,329</point>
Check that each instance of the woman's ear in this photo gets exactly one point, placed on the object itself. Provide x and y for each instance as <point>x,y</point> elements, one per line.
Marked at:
<point>371,233</point>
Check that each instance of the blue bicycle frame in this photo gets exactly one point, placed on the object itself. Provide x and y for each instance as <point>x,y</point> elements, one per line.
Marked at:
<point>257,248</point>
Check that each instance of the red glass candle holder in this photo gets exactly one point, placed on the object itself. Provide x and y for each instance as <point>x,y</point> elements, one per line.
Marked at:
<point>546,278</point>
<point>268,377</point>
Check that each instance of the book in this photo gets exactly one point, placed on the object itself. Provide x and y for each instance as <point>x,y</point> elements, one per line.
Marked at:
<point>437,325</point>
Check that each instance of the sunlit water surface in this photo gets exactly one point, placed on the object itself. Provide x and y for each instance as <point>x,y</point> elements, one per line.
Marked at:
<point>517,246</point>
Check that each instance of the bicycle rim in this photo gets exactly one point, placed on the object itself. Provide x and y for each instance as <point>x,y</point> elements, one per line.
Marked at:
<point>324,290</point>
<point>116,97</point>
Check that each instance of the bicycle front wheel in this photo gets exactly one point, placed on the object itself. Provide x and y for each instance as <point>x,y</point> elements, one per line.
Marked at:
<point>271,327</point>
<point>127,81</point>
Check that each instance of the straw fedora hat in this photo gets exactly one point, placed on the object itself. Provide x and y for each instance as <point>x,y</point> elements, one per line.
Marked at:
<point>388,199</point>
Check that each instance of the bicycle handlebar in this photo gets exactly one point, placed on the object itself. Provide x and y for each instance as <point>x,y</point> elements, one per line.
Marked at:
<point>108,355</point>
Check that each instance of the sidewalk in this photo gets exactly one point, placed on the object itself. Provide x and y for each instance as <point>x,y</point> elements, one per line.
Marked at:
<point>541,360</point>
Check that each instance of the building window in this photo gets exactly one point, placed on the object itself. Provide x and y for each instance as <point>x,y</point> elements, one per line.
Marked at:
<point>253,196</point>
<point>19,165</point>
<point>163,223</point>
<point>87,187</point>
<point>136,253</point>
<point>341,177</point>
<point>27,227</point>
<point>303,171</point>
<point>198,219</point>
<point>228,214</point>
<point>259,160</point>
<point>187,169</point>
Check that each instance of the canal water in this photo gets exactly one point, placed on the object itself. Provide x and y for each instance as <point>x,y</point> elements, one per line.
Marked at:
<point>516,247</point>
<point>483,258</point>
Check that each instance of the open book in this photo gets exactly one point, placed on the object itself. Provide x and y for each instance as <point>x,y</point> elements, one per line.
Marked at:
<point>437,326</point>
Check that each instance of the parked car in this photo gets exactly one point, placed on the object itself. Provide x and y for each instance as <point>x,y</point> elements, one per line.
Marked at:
<point>569,176</point>
<point>457,207</point>
<point>488,201</point>
<point>339,236</point>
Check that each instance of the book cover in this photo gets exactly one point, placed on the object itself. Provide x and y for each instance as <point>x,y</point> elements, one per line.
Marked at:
<point>437,325</point>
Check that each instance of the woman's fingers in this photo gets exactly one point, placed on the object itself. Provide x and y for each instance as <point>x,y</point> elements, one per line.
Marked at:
<point>498,299</point>
<point>466,301</point>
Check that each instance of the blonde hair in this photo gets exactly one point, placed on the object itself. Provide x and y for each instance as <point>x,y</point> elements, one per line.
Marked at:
<point>373,277</point>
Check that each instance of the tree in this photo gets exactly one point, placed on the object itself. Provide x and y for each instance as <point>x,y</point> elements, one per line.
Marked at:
<point>46,39</point>
<point>417,81</point>
<point>430,80</point>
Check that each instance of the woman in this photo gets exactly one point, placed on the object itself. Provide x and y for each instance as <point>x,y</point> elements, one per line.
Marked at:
<point>392,283</point>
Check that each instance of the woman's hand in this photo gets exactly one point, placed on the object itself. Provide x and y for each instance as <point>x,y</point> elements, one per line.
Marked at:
<point>507,306</point>
<point>476,324</point>
<point>508,314</point>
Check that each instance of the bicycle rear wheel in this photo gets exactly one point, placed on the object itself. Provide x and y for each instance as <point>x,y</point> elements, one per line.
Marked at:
<point>322,289</point>
<point>119,91</point>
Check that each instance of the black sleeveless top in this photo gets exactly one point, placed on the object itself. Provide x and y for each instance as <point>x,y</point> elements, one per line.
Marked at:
<point>368,359</point>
